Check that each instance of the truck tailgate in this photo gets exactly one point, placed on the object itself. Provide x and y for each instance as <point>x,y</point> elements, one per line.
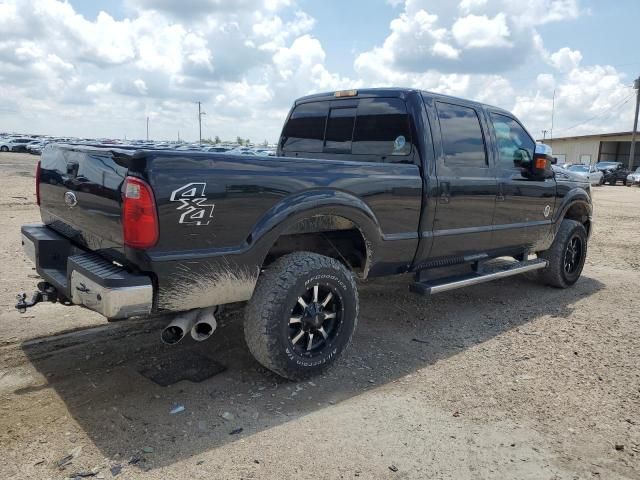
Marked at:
<point>80,195</point>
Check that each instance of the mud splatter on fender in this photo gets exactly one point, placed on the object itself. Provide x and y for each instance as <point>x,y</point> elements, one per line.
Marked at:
<point>200,285</point>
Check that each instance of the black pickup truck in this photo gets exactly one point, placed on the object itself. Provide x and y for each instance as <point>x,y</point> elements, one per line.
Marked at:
<point>365,184</point>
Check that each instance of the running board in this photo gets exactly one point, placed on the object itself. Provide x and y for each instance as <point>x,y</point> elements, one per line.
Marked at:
<point>486,274</point>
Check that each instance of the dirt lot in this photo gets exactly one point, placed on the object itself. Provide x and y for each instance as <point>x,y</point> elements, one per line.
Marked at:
<point>507,380</point>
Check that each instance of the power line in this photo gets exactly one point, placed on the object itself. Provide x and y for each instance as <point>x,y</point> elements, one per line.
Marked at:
<point>616,107</point>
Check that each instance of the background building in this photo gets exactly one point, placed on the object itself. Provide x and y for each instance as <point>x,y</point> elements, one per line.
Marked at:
<point>606,147</point>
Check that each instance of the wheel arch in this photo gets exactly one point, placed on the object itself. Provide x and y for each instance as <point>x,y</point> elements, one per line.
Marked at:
<point>576,206</point>
<point>328,222</point>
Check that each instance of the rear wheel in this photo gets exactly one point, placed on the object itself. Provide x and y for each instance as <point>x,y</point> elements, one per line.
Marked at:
<point>566,256</point>
<point>302,315</point>
<point>4,148</point>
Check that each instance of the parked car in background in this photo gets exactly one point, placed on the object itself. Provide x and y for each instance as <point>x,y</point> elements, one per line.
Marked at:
<point>613,172</point>
<point>15,144</point>
<point>634,178</point>
<point>590,172</point>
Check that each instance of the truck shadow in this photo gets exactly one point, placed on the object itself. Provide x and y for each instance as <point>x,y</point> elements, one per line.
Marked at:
<point>97,375</point>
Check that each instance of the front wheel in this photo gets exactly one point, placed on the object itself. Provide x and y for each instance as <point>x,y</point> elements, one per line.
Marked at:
<point>302,315</point>
<point>566,256</point>
<point>4,148</point>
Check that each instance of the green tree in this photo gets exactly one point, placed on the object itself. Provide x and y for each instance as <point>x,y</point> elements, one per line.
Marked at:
<point>217,139</point>
<point>239,140</point>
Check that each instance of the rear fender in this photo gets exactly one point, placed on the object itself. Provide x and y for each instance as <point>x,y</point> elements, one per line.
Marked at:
<point>316,211</point>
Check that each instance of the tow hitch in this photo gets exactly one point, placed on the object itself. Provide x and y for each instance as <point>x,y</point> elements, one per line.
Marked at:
<point>45,293</point>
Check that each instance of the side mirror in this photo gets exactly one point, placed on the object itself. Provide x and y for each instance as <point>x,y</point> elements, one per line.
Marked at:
<point>554,160</point>
<point>540,167</point>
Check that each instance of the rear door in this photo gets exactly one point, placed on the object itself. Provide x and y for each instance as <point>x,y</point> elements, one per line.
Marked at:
<point>466,184</point>
<point>524,207</point>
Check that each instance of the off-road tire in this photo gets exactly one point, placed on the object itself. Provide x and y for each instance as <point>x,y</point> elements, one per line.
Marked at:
<point>267,319</point>
<point>556,274</point>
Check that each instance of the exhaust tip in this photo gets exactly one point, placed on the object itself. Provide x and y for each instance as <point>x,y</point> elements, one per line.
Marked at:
<point>201,331</point>
<point>172,334</point>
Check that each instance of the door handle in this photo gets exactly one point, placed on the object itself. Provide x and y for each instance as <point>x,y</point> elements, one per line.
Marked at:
<point>444,192</point>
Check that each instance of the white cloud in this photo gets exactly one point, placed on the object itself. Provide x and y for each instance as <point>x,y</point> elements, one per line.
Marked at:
<point>565,59</point>
<point>480,31</point>
<point>248,60</point>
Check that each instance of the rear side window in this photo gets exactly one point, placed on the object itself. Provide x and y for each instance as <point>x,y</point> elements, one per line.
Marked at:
<point>340,130</point>
<point>382,128</point>
<point>462,139</point>
<point>304,131</point>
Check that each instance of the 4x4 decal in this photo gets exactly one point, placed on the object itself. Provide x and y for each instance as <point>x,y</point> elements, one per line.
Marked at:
<point>191,197</point>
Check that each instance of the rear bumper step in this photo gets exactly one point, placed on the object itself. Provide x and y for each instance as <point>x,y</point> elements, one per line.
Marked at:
<point>487,274</point>
<point>86,278</point>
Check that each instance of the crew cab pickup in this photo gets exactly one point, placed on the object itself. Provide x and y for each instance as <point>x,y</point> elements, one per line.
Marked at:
<point>365,184</point>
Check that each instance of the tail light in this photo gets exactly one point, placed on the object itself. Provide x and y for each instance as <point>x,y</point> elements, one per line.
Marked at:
<point>38,183</point>
<point>139,215</point>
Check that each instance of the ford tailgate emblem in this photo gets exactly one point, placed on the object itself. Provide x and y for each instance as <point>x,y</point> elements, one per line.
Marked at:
<point>70,199</point>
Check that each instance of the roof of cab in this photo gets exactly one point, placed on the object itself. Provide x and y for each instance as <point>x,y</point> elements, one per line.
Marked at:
<point>391,92</point>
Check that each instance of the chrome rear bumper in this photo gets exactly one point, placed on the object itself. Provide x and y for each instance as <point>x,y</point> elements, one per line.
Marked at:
<point>86,278</point>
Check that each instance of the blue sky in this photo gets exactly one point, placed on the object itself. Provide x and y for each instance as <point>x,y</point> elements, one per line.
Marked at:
<point>70,69</point>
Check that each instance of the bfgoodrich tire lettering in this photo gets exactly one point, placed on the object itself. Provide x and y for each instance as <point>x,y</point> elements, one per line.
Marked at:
<point>302,315</point>
<point>566,256</point>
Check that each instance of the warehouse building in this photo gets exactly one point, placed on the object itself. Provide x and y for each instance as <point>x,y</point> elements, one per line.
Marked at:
<point>590,149</point>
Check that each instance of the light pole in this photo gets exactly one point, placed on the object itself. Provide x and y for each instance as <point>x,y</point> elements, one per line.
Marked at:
<point>632,151</point>
<point>544,135</point>
<point>147,129</point>
<point>200,114</point>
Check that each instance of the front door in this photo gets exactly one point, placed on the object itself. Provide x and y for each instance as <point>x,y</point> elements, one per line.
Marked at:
<point>524,207</point>
<point>466,191</point>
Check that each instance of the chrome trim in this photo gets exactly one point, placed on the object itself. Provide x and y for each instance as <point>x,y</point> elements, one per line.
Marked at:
<point>29,248</point>
<point>113,303</point>
<point>488,277</point>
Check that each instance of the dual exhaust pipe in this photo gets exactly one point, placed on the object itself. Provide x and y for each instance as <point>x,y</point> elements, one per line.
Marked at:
<point>200,323</point>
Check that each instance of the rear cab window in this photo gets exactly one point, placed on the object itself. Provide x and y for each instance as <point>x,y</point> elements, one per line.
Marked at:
<point>368,129</point>
<point>463,142</point>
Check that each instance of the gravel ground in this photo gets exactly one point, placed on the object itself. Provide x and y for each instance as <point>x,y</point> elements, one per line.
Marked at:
<point>506,380</point>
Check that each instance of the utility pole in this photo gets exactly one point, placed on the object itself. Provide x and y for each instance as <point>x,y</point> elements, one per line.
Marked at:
<point>200,114</point>
<point>553,112</point>
<point>147,129</point>
<point>544,135</point>
<point>632,151</point>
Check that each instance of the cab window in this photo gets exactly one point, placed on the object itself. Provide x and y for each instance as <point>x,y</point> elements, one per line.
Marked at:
<point>304,132</point>
<point>515,146</point>
<point>382,128</point>
<point>462,139</point>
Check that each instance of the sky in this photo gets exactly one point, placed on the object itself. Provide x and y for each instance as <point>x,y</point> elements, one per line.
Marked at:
<point>98,69</point>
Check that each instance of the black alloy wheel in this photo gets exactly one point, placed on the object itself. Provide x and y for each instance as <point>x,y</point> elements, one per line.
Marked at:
<point>315,319</point>
<point>573,255</point>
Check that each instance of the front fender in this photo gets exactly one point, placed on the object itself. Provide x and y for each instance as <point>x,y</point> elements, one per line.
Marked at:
<point>576,198</point>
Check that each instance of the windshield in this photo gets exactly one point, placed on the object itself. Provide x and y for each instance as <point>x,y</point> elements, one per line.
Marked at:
<point>579,168</point>
<point>606,164</point>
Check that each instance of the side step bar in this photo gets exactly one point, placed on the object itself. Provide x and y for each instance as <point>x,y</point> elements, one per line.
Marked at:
<point>486,274</point>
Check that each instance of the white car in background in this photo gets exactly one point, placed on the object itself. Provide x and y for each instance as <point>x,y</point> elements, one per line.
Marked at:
<point>595,176</point>
<point>634,178</point>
